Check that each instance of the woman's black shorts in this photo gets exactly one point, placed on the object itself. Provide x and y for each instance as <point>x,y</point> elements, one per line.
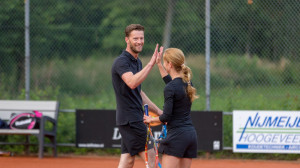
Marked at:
<point>180,143</point>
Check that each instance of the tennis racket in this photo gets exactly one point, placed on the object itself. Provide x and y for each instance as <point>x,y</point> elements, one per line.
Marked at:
<point>151,138</point>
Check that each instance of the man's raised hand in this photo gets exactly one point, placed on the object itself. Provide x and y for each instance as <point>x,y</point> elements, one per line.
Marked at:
<point>154,56</point>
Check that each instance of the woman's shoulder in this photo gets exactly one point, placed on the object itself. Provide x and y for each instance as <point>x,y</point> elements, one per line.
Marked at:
<point>167,79</point>
<point>170,85</point>
<point>173,85</point>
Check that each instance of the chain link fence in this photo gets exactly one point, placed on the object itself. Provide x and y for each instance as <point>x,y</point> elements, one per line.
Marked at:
<point>255,47</point>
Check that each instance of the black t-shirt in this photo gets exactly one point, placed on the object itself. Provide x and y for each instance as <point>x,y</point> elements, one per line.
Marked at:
<point>177,104</point>
<point>129,102</point>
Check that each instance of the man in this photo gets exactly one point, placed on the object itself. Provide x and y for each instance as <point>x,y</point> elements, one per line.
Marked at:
<point>127,76</point>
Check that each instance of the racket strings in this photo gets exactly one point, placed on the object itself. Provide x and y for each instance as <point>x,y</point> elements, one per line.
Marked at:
<point>155,145</point>
<point>156,142</point>
<point>146,148</point>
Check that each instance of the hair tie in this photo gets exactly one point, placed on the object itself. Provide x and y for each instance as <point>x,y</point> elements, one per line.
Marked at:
<point>182,65</point>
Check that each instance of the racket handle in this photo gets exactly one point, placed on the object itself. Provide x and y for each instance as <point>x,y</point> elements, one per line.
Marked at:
<point>146,109</point>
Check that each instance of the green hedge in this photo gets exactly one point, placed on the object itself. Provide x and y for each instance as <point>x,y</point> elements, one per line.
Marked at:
<point>235,85</point>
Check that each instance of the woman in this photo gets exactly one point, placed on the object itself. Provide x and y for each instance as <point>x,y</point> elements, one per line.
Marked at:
<point>180,146</point>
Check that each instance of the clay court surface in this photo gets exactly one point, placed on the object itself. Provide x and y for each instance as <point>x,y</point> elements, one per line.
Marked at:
<point>112,162</point>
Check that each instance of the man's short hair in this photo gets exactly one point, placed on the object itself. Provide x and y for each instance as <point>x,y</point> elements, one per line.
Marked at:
<point>132,27</point>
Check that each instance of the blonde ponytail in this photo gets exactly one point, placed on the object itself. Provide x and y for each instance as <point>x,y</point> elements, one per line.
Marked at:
<point>186,77</point>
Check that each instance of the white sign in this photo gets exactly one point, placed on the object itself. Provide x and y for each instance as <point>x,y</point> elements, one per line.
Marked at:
<point>266,131</point>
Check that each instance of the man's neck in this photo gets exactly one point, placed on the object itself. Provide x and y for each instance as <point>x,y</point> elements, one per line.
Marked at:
<point>135,55</point>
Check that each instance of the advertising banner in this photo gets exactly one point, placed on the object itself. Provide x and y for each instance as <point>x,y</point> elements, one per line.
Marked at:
<point>97,129</point>
<point>266,131</point>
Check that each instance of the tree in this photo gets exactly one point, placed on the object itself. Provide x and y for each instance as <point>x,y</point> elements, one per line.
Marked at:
<point>66,28</point>
<point>12,43</point>
<point>122,13</point>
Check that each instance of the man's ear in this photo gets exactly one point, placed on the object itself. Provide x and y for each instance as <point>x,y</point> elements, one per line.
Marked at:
<point>126,39</point>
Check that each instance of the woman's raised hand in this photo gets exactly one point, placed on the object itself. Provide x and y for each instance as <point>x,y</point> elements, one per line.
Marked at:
<point>159,55</point>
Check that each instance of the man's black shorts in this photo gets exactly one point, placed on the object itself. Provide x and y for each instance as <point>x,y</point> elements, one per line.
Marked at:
<point>133,138</point>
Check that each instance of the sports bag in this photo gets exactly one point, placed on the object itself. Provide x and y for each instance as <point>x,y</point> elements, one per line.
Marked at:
<point>26,120</point>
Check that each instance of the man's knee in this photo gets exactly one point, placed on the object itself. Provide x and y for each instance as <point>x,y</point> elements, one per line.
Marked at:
<point>126,161</point>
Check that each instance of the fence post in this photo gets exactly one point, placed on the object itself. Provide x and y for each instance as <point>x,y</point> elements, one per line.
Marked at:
<point>207,53</point>
<point>27,49</point>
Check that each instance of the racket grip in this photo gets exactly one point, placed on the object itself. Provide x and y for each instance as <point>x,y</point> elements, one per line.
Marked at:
<point>146,109</point>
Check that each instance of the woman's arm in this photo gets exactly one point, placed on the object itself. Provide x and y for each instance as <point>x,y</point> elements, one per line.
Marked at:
<point>161,68</point>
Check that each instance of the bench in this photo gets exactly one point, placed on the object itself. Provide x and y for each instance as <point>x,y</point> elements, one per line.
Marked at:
<point>50,114</point>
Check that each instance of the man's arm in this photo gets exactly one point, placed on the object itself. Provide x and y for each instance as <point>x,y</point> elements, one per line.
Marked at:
<point>152,107</point>
<point>134,80</point>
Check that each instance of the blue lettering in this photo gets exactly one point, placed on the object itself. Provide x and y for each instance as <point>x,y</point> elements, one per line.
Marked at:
<point>296,139</point>
<point>281,120</point>
<point>283,138</point>
<point>288,139</point>
<point>244,138</point>
<point>275,138</point>
<point>251,138</point>
<point>261,125</point>
<point>260,138</point>
<point>268,138</point>
<point>294,122</point>
<point>271,123</point>
<point>298,124</point>
<point>250,122</point>
<point>257,121</point>
<point>287,122</point>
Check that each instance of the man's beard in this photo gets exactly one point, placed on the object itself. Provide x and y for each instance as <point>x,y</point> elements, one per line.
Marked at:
<point>133,48</point>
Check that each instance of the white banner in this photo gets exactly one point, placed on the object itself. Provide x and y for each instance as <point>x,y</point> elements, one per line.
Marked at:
<point>266,131</point>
